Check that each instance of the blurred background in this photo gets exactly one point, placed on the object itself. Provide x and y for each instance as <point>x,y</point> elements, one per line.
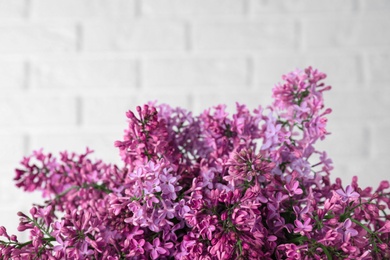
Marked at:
<point>70,69</point>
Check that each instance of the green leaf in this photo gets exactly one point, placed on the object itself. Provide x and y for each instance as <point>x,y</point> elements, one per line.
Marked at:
<point>325,249</point>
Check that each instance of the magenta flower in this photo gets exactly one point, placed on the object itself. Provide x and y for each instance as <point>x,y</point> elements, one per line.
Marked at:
<point>85,251</point>
<point>155,250</point>
<point>138,246</point>
<point>346,230</point>
<point>166,212</point>
<point>292,252</point>
<point>348,194</point>
<point>251,185</point>
<point>62,245</point>
<point>271,137</point>
<point>206,228</point>
<point>168,182</point>
<point>293,188</point>
<point>152,186</point>
<point>303,227</point>
<point>385,228</point>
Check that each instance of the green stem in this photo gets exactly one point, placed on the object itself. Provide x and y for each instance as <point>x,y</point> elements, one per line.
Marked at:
<point>326,251</point>
<point>58,196</point>
<point>369,231</point>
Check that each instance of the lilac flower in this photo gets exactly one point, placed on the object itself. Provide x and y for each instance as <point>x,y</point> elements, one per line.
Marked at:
<point>167,182</point>
<point>293,188</point>
<point>84,251</point>
<point>385,228</point>
<point>211,186</point>
<point>346,231</point>
<point>166,211</point>
<point>301,213</point>
<point>152,186</point>
<point>206,228</point>
<point>62,245</point>
<point>301,166</point>
<point>181,208</point>
<point>291,251</point>
<point>155,249</point>
<point>348,194</point>
<point>279,198</point>
<point>271,133</point>
<point>303,227</point>
<point>138,246</point>
<point>327,162</point>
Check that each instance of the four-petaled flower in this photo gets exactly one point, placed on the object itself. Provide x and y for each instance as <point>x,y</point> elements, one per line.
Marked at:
<point>303,227</point>
<point>155,250</point>
<point>293,188</point>
<point>348,194</point>
<point>346,230</point>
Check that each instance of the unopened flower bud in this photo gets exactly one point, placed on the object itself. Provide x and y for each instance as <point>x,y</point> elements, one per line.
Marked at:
<point>224,216</point>
<point>14,238</point>
<point>130,114</point>
<point>246,246</point>
<point>3,230</point>
<point>21,214</point>
<point>33,211</point>
<point>23,227</point>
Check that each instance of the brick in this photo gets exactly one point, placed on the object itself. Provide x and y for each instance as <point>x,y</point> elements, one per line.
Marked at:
<point>11,152</point>
<point>134,35</point>
<point>28,38</point>
<point>380,141</point>
<point>13,200</point>
<point>77,141</point>
<point>33,110</point>
<point>359,105</point>
<point>12,9</point>
<point>190,72</point>
<point>192,7</point>
<point>7,199</point>
<point>12,75</point>
<point>83,73</point>
<point>106,110</point>
<point>236,35</point>
<point>347,140</point>
<point>84,9</point>
<point>349,31</point>
<point>8,214</point>
<point>339,67</point>
<point>378,67</point>
<point>280,6</point>
<point>375,5</point>
<point>370,172</point>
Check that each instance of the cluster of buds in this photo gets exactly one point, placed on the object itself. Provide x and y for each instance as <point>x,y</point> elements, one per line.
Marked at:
<point>247,186</point>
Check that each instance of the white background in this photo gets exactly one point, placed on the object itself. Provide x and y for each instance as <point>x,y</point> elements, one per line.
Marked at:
<point>69,70</point>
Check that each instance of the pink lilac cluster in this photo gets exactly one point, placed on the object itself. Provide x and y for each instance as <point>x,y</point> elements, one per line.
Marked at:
<point>213,186</point>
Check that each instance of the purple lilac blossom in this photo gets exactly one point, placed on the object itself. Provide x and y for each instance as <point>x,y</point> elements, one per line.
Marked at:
<point>247,186</point>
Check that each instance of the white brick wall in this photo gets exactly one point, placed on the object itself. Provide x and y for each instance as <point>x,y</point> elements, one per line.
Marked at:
<point>32,37</point>
<point>134,35</point>
<point>69,69</point>
<point>79,72</point>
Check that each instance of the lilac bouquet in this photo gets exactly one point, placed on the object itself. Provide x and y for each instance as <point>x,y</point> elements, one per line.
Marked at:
<point>249,186</point>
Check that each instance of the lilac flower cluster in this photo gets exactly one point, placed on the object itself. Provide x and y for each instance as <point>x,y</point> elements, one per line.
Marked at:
<point>249,186</point>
